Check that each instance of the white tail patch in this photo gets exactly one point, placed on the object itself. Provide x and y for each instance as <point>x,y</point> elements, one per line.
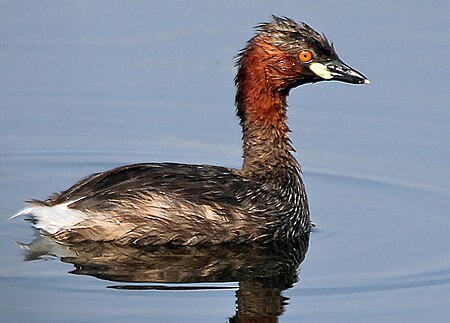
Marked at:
<point>53,218</point>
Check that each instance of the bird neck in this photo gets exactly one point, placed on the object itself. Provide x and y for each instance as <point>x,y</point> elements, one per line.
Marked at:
<point>261,107</point>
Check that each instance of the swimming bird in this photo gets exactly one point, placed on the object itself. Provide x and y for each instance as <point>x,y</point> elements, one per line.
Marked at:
<point>180,204</point>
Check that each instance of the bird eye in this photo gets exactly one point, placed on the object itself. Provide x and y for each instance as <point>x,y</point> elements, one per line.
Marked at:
<point>305,56</point>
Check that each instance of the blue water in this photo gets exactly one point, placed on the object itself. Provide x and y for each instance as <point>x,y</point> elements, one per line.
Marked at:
<point>87,86</point>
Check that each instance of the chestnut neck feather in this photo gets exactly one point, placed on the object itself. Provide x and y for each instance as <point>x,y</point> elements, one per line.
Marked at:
<point>261,107</point>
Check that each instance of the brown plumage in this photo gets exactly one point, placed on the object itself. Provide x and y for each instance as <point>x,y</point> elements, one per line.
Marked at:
<point>200,204</point>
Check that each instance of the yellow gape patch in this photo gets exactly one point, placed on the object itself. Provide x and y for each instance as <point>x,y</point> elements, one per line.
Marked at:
<point>320,70</point>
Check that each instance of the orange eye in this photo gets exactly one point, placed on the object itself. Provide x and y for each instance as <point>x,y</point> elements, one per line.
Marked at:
<point>305,56</point>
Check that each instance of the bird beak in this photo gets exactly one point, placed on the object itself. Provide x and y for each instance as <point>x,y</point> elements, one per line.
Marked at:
<point>337,70</point>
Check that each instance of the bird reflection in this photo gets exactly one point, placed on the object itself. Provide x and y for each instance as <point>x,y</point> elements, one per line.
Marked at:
<point>263,272</point>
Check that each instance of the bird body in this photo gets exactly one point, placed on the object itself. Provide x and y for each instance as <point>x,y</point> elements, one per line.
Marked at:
<point>168,203</point>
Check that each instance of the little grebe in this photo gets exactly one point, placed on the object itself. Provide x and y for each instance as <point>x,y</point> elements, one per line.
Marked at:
<point>168,203</point>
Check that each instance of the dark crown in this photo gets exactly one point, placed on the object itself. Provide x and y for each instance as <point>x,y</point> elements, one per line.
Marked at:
<point>290,36</point>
